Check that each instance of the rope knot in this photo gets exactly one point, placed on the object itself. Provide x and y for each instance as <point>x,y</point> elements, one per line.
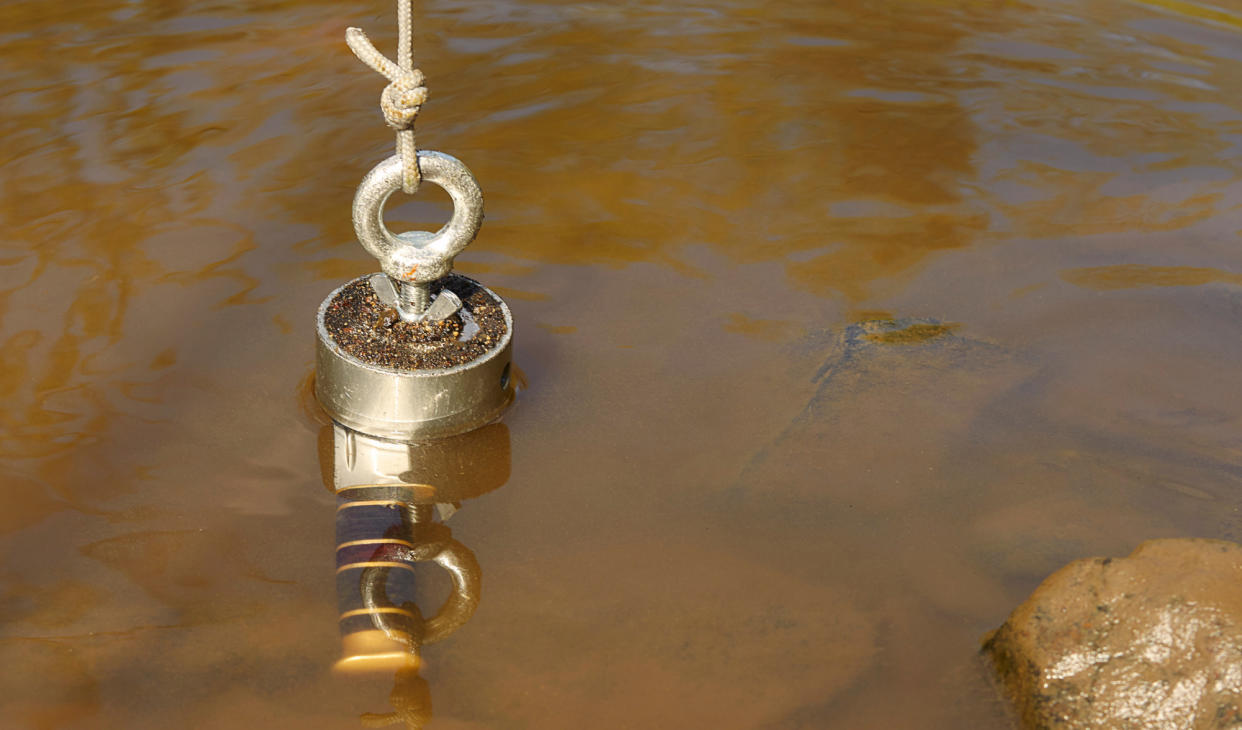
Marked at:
<point>401,100</point>
<point>404,95</point>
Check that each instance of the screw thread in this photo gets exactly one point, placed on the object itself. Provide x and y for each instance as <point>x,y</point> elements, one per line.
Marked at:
<point>415,297</point>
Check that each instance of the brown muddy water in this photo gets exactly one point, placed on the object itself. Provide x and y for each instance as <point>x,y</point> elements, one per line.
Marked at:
<point>843,324</point>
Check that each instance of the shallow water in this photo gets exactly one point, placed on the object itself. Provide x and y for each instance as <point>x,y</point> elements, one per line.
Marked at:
<point>738,496</point>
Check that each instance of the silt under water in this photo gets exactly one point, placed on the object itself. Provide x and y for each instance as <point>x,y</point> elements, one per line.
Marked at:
<point>841,324</point>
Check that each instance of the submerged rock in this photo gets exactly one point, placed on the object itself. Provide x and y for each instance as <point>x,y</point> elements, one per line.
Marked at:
<point>907,385</point>
<point>1149,641</point>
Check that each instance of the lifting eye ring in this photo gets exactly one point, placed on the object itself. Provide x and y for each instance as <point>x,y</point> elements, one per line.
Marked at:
<point>418,257</point>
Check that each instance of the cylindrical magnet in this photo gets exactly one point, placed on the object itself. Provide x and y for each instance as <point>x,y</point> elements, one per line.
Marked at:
<point>414,404</point>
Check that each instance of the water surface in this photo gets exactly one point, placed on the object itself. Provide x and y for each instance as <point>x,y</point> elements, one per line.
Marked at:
<point>843,325</point>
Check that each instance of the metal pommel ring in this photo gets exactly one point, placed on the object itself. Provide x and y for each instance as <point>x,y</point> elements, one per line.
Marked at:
<point>418,257</point>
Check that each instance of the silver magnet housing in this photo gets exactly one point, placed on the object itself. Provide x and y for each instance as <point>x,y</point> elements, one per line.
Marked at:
<point>413,405</point>
<point>416,404</point>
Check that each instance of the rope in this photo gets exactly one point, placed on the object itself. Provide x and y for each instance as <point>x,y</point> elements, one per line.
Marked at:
<point>405,93</point>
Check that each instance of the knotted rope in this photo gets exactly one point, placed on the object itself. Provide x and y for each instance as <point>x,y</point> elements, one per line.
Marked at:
<point>405,93</point>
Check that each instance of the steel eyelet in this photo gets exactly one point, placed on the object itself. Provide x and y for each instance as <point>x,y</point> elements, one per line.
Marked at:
<point>418,257</point>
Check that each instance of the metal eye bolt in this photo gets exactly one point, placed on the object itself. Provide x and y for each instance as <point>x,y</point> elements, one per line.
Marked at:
<point>415,259</point>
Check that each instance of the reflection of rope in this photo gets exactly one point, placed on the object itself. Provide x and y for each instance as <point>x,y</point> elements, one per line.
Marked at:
<point>405,93</point>
<point>411,698</point>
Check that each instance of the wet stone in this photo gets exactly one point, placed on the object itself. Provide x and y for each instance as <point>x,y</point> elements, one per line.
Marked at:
<point>370,331</point>
<point>1149,641</point>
